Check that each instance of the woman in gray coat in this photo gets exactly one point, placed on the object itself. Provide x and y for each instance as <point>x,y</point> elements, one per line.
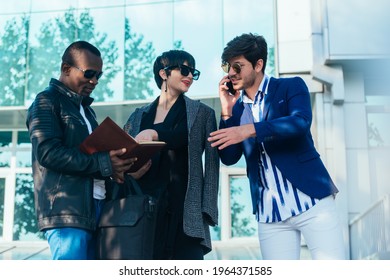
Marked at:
<point>187,187</point>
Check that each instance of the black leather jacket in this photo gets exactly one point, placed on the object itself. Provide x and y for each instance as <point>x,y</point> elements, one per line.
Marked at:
<point>63,176</point>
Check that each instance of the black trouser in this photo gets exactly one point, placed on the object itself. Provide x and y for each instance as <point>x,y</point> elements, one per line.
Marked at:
<point>171,243</point>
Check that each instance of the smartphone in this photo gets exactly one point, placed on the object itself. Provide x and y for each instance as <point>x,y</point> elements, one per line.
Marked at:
<point>230,86</point>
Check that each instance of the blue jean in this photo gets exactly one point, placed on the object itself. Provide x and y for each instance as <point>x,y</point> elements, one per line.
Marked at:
<point>69,243</point>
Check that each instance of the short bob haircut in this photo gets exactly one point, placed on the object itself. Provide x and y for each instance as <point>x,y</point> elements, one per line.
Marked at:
<point>171,58</point>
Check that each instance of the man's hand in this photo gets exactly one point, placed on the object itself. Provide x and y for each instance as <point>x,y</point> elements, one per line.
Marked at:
<point>141,172</point>
<point>232,135</point>
<point>227,99</point>
<point>120,166</point>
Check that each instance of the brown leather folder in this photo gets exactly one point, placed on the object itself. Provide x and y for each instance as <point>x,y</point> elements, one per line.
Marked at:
<point>109,136</point>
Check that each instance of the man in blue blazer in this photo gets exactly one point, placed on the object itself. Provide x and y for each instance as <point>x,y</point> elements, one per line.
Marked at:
<point>268,120</point>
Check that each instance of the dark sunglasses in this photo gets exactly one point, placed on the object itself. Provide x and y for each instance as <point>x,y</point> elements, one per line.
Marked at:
<point>236,67</point>
<point>89,73</point>
<point>185,70</point>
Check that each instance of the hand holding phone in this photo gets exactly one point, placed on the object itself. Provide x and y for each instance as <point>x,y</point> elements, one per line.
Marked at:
<point>230,87</point>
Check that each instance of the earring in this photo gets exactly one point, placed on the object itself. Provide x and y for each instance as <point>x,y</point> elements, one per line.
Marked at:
<point>166,86</point>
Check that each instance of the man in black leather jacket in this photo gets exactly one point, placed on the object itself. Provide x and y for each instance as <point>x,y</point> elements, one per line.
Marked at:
<point>69,185</point>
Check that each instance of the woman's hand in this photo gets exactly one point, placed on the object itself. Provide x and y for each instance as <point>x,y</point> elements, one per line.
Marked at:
<point>147,135</point>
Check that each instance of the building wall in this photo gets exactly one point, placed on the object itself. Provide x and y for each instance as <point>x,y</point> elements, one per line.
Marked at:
<point>293,37</point>
<point>349,58</point>
<point>356,29</point>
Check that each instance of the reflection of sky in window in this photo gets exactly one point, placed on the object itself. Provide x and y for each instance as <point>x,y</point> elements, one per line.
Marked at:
<point>23,159</point>
<point>23,204</point>
<point>5,159</point>
<point>203,26</point>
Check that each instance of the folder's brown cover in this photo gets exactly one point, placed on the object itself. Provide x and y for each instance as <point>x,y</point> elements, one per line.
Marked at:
<point>109,136</point>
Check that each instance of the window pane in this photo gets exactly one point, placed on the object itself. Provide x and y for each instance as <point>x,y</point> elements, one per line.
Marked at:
<point>5,138</point>
<point>243,221</point>
<point>24,139</point>
<point>5,158</point>
<point>129,43</point>
<point>2,191</point>
<point>23,159</point>
<point>25,223</point>
<point>215,232</point>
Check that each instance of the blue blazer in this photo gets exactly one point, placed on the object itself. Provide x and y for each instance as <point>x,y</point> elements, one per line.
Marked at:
<point>285,132</point>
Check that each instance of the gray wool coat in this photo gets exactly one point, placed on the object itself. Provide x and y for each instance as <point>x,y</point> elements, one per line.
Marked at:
<point>201,200</point>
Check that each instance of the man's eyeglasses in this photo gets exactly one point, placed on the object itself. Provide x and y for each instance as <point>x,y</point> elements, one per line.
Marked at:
<point>236,67</point>
<point>185,70</point>
<point>89,73</point>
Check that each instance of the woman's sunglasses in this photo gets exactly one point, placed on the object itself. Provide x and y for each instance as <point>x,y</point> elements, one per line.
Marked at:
<point>89,73</point>
<point>236,67</point>
<point>185,70</point>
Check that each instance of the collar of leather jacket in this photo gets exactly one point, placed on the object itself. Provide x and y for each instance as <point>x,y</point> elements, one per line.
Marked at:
<point>77,98</point>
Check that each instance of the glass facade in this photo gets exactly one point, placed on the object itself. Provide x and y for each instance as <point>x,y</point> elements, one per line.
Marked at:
<point>17,214</point>
<point>25,223</point>
<point>243,223</point>
<point>2,189</point>
<point>130,35</point>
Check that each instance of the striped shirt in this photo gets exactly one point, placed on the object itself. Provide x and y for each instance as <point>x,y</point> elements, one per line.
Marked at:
<point>279,199</point>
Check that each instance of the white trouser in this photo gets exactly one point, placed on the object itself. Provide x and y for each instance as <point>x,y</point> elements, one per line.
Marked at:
<point>320,227</point>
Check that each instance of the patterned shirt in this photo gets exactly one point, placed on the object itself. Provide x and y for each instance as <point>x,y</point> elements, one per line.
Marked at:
<point>279,199</point>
